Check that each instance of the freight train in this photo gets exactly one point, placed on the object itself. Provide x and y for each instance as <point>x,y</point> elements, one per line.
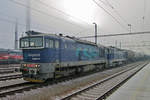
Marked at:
<point>49,56</point>
<point>8,56</point>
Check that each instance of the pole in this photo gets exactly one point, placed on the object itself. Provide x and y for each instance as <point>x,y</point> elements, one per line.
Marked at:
<point>143,23</point>
<point>130,27</point>
<point>120,45</point>
<point>95,32</point>
<point>16,35</point>
<point>116,43</point>
<point>28,16</point>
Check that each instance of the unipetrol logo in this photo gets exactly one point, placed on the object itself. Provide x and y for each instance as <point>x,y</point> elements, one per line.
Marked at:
<point>34,55</point>
<point>86,53</point>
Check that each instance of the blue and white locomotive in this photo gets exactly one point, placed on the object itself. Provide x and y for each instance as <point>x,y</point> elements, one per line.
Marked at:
<point>48,56</point>
<point>116,56</point>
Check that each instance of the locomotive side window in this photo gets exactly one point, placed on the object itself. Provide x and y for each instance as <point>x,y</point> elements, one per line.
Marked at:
<point>49,43</point>
<point>56,44</point>
<point>65,46</point>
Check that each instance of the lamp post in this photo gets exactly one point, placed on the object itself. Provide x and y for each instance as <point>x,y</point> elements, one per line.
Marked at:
<point>130,27</point>
<point>95,32</point>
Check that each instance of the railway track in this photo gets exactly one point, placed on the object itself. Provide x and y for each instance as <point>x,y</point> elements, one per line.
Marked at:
<point>24,86</point>
<point>10,76</point>
<point>15,88</point>
<point>9,70</point>
<point>6,71</point>
<point>9,65</point>
<point>101,89</point>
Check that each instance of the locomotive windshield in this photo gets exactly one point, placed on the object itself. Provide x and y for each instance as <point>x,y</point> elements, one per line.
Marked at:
<point>31,42</point>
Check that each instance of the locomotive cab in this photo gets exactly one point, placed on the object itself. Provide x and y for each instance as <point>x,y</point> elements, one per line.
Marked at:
<point>38,52</point>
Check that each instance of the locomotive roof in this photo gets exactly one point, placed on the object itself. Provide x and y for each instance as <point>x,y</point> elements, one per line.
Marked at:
<point>33,33</point>
<point>78,40</point>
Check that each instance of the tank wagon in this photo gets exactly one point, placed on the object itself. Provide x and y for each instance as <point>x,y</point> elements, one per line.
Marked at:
<point>48,56</point>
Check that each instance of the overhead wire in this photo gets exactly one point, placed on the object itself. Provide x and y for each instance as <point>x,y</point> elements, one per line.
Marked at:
<point>136,46</point>
<point>58,10</point>
<point>14,22</point>
<point>118,34</point>
<point>117,12</point>
<point>10,21</point>
<point>41,12</point>
<point>110,14</point>
<point>114,9</point>
<point>10,16</point>
<point>44,25</point>
<point>64,13</point>
<point>70,15</point>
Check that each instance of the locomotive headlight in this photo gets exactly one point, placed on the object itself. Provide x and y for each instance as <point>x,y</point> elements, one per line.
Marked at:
<point>36,65</point>
<point>24,65</point>
<point>39,65</point>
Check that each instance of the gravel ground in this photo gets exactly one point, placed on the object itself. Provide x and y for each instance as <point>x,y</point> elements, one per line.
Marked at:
<point>99,90</point>
<point>53,92</point>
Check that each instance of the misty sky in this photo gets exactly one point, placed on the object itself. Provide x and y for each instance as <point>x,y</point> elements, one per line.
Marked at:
<point>75,18</point>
